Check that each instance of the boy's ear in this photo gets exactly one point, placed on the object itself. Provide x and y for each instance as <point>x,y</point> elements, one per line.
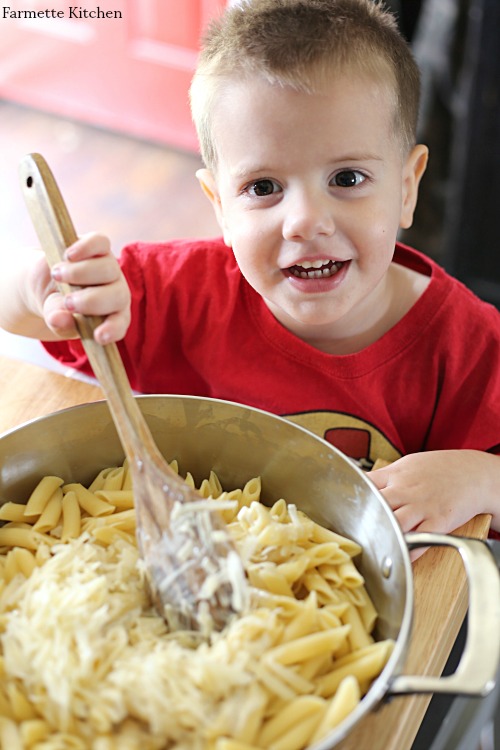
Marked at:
<point>209,187</point>
<point>413,171</point>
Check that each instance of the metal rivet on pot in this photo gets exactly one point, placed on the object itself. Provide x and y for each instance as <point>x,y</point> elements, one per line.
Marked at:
<point>387,567</point>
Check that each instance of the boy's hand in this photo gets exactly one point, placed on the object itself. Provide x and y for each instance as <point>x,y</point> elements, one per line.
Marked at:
<point>90,264</point>
<point>439,491</point>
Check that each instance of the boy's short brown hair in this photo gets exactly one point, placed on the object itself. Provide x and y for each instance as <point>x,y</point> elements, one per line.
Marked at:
<point>301,43</point>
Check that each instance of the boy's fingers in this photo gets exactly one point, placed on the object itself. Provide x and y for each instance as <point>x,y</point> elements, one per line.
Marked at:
<point>416,553</point>
<point>100,290</point>
<point>62,323</point>
<point>112,329</point>
<point>408,516</point>
<point>100,270</point>
<point>379,477</point>
<point>87,246</point>
<point>103,301</point>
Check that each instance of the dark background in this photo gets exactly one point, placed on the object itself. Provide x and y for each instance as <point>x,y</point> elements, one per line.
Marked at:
<point>457,46</point>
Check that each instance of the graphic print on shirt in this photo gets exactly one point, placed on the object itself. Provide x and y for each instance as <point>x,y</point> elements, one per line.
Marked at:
<point>353,436</point>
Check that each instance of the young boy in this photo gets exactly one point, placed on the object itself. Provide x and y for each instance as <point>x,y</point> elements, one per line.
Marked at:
<point>306,112</point>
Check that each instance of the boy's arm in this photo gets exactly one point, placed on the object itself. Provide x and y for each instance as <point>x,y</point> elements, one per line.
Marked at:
<point>25,283</point>
<point>441,490</point>
<point>31,306</point>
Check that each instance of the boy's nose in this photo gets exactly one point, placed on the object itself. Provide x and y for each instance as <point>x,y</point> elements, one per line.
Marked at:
<point>308,216</point>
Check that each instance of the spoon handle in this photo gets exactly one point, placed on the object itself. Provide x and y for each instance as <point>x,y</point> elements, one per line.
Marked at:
<point>56,232</point>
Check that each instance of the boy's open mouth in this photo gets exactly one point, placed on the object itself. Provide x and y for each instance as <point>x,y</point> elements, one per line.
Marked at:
<point>316,269</point>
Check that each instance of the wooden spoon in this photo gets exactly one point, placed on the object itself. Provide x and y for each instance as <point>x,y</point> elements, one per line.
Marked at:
<point>196,577</point>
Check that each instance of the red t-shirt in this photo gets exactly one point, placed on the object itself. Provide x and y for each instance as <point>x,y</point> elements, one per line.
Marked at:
<point>431,382</point>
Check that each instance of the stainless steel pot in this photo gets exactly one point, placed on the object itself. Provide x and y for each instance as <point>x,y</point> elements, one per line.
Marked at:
<point>239,443</point>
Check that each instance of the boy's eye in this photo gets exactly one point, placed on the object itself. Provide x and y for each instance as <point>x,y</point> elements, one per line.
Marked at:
<point>348,178</point>
<point>263,187</point>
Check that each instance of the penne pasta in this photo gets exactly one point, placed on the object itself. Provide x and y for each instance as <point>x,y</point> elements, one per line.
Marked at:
<point>23,537</point>
<point>108,535</point>
<point>314,667</point>
<point>224,743</point>
<point>22,709</point>
<point>124,520</point>
<point>358,637</point>
<point>10,568</point>
<point>269,578</point>
<point>51,513</point>
<point>309,646</point>
<point>322,535</point>
<point>119,499</point>
<point>323,552</point>
<point>272,683</point>
<point>251,715</point>
<point>93,505</point>
<point>210,487</point>
<point>24,559</point>
<point>301,625</point>
<point>13,512</point>
<point>72,516</point>
<point>298,736</point>
<point>367,611</point>
<point>113,479</point>
<point>33,731</point>
<point>102,480</point>
<point>281,677</point>
<point>292,677</point>
<point>9,734</point>
<point>291,721</point>
<point>314,581</point>
<point>5,708</point>
<point>251,491</point>
<point>279,511</point>
<point>233,498</point>
<point>41,495</point>
<point>189,479</point>
<point>340,706</point>
<point>364,666</point>
<point>127,476</point>
<point>350,575</point>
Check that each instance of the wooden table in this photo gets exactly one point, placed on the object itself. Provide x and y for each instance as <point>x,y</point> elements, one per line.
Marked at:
<point>27,392</point>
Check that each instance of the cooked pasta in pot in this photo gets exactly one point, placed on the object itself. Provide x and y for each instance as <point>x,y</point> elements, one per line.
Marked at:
<point>85,661</point>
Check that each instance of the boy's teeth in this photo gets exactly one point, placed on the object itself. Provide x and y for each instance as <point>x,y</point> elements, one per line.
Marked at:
<point>313,263</point>
<point>315,269</point>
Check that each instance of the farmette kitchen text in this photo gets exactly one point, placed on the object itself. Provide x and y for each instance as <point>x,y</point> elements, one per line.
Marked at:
<point>73,11</point>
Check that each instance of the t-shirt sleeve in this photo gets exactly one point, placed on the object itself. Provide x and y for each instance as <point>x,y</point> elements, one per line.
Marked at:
<point>70,353</point>
<point>467,409</point>
<point>153,349</point>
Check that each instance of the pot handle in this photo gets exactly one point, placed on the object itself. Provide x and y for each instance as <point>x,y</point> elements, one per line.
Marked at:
<point>477,670</point>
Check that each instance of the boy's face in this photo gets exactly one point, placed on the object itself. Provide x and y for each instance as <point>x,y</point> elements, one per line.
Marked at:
<point>310,191</point>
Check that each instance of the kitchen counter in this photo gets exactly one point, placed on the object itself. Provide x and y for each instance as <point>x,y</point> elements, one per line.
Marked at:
<point>28,391</point>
